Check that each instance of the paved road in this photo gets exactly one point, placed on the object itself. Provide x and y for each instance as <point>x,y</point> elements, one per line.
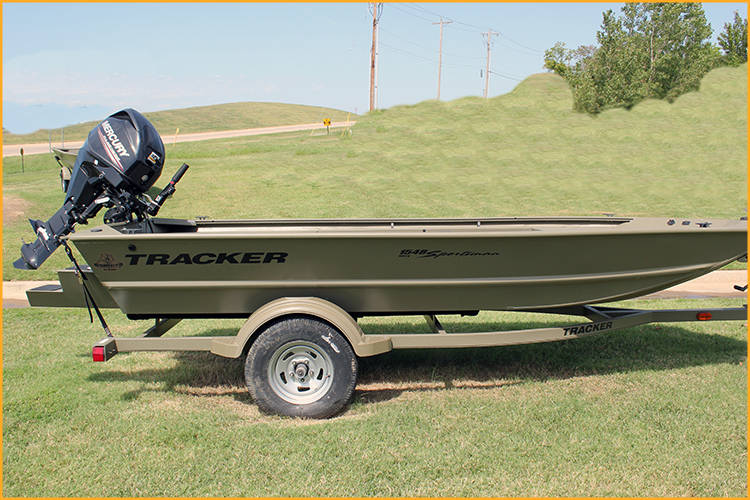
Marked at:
<point>716,284</point>
<point>32,149</point>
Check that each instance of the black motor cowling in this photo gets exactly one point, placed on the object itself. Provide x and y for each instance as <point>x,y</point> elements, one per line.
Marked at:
<point>121,159</point>
<point>126,149</point>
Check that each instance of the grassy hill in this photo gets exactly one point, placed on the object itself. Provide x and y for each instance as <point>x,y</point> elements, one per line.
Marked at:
<point>523,153</point>
<point>528,152</point>
<point>233,116</point>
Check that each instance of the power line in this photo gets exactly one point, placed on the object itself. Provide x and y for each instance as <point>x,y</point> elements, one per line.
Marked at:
<point>407,41</point>
<point>505,76</point>
<point>428,48</point>
<point>520,45</point>
<point>433,61</point>
<point>407,53</point>
<point>507,69</point>
<point>376,10</point>
<point>393,5</point>
<point>463,57</point>
<point>473,27</point>
<point>419,7</point>
<point>452,65</point>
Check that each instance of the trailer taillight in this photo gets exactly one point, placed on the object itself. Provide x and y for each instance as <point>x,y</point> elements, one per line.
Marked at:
<point>104,350</point>
<point>98,353</point>
<point>704,316</point>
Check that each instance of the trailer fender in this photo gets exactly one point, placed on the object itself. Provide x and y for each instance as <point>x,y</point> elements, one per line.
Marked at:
<point>363,345</point>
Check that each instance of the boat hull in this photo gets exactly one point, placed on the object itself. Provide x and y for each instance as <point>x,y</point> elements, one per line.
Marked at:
<point>163,268</point>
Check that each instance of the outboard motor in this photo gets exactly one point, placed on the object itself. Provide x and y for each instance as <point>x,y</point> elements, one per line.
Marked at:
<point>121,159</point>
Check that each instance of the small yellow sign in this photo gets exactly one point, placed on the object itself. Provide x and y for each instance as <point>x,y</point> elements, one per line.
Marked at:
<point>327,122</point>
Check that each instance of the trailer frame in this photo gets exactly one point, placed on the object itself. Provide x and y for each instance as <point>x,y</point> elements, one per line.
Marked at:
<point>602,319</point>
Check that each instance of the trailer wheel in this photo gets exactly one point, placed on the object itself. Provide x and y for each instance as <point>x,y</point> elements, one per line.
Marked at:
<point>301,367</point>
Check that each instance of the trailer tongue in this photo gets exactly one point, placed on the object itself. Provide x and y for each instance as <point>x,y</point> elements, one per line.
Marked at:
<point>302,284</point>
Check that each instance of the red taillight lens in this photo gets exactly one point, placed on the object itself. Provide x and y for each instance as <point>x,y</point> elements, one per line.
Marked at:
<point>98,353</point>
<point>704,316</point>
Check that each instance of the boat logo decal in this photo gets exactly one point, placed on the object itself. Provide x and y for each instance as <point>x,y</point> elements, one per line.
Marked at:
<point>107,262</point>
<point>111,143</point>
<point>207,258</point>
<point>114,140</point>
<point>328,340</point>
<point>589,328</point>
<point>423,253</point>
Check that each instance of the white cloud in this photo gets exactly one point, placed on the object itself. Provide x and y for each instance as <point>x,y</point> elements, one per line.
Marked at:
<point>146,92</point>
<point>95,60</point>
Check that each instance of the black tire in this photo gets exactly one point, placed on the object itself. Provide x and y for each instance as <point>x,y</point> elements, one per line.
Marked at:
<point>301,367</point>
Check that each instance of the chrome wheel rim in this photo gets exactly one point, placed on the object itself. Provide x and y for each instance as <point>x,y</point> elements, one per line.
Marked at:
<point>300,372</point>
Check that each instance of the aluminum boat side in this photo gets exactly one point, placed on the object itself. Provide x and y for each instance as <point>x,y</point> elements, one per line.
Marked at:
<point>165,267</point>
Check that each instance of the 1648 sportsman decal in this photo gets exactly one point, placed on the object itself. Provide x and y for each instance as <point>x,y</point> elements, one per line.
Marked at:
<point>423,253</point>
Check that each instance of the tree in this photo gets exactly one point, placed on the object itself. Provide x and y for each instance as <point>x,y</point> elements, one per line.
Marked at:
<point>562,60</point>
<point>658,50</point>
<point>558,59</point>
<point>733,41</point>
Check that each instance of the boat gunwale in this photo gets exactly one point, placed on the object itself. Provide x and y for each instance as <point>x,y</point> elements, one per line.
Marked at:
<point>408,228</point>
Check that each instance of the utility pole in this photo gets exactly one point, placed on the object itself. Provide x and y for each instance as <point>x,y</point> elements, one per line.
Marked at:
<point>377,55</point>
<point>440,52</point>
<point>377,10</point>
<point>489,50</point>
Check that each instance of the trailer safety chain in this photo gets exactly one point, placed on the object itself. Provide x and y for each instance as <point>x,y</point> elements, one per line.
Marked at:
<point>87,294</point>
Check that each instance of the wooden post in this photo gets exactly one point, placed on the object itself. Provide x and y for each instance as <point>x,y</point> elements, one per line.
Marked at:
<point>440,53</point>
<point>373,53</point>
<point>489,50</point>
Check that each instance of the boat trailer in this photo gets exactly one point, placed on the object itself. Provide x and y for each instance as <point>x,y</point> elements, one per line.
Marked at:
<point>602,320</point>
<point>301,352</point>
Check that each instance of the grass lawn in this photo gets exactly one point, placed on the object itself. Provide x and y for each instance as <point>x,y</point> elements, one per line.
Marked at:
<point>658,410</point>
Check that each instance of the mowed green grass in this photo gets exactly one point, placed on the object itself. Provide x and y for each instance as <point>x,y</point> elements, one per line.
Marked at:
<point>658,410</point>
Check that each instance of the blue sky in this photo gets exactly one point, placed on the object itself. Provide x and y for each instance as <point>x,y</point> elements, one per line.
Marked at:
<point>69,62</point>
